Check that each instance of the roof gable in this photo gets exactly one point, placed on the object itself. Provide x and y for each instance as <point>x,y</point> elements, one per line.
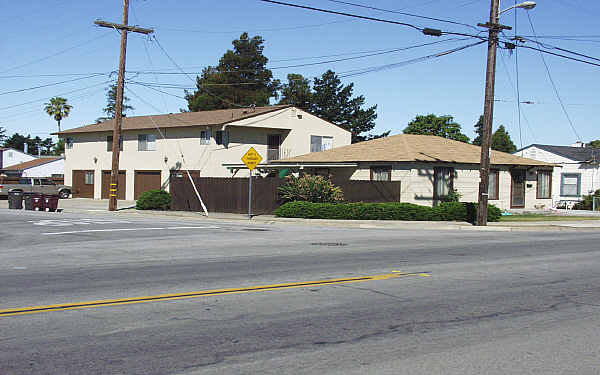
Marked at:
<point>32,163</point>
<point>573,153</point>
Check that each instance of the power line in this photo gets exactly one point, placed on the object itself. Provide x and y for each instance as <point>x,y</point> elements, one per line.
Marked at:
<point>56,53</point>
<point>49,84</point>
<point>402,13</point>
<point>357,72</point>
<point>549,46</point>
<point>517,79</point>
<point>559,55</point>
<point>554,85</point>
<point>252,30</point>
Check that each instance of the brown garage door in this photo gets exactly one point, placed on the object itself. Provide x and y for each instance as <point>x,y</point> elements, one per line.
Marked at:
<point>120,187</point>
<point>83,184</point>
<point>146,180</point>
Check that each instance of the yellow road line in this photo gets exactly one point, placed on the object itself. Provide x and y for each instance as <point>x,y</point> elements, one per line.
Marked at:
<point>162,297</point>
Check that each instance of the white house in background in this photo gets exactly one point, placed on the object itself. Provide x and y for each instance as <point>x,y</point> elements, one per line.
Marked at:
<point>577,171</point>
<point>38,167</point>
<point>11,156</point>
<point>156,147</point>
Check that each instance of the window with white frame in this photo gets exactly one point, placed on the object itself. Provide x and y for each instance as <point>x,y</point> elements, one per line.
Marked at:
<point>320,143</point>
<point>69,143</point>
<point>205,137</point>
<point>570,184</point>
<point>146,142</point>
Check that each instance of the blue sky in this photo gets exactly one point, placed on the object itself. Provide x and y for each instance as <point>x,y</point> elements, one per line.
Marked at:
<point>43,41</point>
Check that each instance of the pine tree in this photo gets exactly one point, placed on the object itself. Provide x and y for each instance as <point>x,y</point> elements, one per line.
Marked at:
<point>441,126</point>
<point>297,92</point>
<point>478,131</point>
<point>501,141</point>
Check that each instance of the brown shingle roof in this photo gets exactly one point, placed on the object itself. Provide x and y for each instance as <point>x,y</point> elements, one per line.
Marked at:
<point>178,120</point>
<point>411,148</point>
<point>31,164</point>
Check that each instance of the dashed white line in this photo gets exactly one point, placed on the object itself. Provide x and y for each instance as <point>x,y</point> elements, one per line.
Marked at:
<point>126,230</point>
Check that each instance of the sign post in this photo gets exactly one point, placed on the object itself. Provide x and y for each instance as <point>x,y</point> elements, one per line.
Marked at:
<point>251,159</point>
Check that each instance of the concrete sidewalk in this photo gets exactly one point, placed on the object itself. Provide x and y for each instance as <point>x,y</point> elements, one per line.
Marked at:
<point>84,205</point>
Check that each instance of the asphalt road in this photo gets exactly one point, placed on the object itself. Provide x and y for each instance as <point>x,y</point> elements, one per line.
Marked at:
<point>461,302</point>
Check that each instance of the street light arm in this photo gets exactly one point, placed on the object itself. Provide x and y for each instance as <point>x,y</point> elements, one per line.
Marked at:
<point>527,5</point>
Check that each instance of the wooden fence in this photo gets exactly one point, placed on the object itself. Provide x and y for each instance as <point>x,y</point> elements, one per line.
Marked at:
<point>230,195</point>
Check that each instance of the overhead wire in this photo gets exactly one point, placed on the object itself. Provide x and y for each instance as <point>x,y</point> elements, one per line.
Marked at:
<point>50,84</point>
<point>554,85</point>
<point>517,80</point>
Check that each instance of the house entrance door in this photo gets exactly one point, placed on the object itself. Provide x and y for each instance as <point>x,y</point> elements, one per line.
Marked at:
<point>517,190</point>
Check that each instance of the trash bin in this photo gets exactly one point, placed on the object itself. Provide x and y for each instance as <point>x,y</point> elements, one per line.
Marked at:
<point>27,199</point>
<point>50,202</point>
<point>15,200</point>
<point>37,202</point>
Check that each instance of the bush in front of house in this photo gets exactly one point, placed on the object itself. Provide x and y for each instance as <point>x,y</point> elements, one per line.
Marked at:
<point>308,188</point>
<point>448,211</point>
<point>587,203</point>
<point>154,200</point>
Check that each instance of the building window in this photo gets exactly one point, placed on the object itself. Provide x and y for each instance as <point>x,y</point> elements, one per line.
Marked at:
<point>221,137</point>
<point>69,143</point>
<point>10,154</point>
<point>109,142</point>
<point>494,186</point>
<point>544,184</point>
<point>570,184</point>
<point>205,137</point>
<point>320,143</point>
<point>443,182</point>
<point>89,178</point>
<point>146,142</point>
<point>382,173</point>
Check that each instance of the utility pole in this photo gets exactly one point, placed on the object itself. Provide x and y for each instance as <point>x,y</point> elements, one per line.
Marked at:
<point>494,28</point>
<point>124,28</point>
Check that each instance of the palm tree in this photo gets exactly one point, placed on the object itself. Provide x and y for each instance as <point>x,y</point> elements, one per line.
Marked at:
<point>58,108</point>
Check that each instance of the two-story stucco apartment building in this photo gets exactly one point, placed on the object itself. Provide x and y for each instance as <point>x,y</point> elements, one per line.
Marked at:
<point>154,147</point>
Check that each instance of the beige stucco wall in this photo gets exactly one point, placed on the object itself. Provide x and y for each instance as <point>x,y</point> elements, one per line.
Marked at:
<point>180,148</point>
<point>417,182</point>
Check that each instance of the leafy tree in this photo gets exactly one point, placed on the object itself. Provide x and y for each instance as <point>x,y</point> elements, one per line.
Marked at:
<point>478,131</point>
<point>594,144</point>
<point>442,126</point>
<point>17,141</point>
<point>111,104</point>
<point>297,92</point>
<point>59,148</point>
<point>2,134</point>
<point>58,108</point>
<point>501,141</point>
<point>333,102</point>
<point>240,79</point>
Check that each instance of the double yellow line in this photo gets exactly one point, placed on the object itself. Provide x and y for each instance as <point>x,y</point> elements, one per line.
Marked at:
<point>163,297</point>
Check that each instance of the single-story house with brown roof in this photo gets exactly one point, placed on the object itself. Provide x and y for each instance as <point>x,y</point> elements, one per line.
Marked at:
<point>429,166</point>
<point>46,166</point>
<point>156,147</point>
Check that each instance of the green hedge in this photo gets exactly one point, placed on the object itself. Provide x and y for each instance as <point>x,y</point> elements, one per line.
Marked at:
<point>449,211</point>
<point>154,200</point>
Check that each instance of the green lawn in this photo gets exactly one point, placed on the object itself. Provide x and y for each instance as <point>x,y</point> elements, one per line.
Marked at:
<point>538,217</point>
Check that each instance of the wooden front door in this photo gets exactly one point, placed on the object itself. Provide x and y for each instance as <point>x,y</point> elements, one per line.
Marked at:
<point>517,189</point>
<point>144,181</point>
<point>122,185</point>
<point>83,184</point>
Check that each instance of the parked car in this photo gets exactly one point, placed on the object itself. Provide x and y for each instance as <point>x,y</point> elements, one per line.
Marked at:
<point>36,185</point>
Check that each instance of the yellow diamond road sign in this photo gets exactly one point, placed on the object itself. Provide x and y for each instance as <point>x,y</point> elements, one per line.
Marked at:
<point>251,158</point>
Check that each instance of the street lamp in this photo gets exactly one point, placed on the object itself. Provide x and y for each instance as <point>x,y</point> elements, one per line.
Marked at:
<point>494,27</point>
<point>527,5</point>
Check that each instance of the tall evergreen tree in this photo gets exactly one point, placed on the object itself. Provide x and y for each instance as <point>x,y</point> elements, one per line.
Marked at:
<point>501,141</point>
<point>2,134</point>
<point>240,79</point>
<point>478,131</point>
<point>333,102</point>
<point>297,92</point>
<point>441,126</point>
<point>594,144</point>
<point>111,104</point>
<point>18,141</point>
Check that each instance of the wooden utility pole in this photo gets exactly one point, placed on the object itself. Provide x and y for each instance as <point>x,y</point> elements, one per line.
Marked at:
<point>494,28</point>
<point>116,150</point>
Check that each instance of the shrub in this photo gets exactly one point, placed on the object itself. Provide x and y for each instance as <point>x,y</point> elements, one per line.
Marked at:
<point>588,201</point>
<point>316,189</point>
<point>154,200</point>
<point>450,211</point>
<point>452,196</point>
